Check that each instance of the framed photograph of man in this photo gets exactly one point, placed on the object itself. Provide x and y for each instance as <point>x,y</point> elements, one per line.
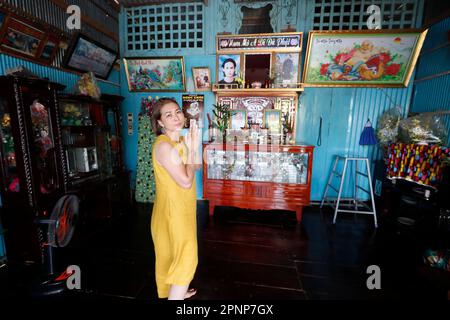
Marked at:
<point>202,78</point>
<point>272,119</point>
<point>228,68</point>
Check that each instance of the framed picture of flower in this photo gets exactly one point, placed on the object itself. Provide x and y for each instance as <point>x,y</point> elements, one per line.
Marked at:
<point>366,58</point>
<point>155,74</point>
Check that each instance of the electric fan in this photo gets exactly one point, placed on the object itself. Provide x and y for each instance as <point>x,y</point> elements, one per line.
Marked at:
<point>60,228</point>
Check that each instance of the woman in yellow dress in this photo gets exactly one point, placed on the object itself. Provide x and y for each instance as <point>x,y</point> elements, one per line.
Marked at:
<point>173,223</point>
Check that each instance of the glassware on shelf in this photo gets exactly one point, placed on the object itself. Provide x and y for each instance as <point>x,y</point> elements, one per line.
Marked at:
<point>75,114</point>
<point>280,167</point>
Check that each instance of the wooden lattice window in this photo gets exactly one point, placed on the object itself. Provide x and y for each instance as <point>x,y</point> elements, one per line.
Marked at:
<point>168,26</point>
<point>352,14</point>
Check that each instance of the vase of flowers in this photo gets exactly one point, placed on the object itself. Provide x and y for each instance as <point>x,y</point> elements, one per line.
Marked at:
<point>240,81</point>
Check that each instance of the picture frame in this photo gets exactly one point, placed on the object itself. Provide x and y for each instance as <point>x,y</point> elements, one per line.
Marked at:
<point>49,49</point>
<point>155,74</point>
<point>362,58</point>
<point>24,39</point>
<point>223,63</point>
<point>202,78</point>
<point>87,55</point>
<point>3,16</point>
<point>238,119</point>
<point>193,108</point>
<point>287,68</point>
<point>256,68</point>
<point>20,38</point>
<point>272,120</point>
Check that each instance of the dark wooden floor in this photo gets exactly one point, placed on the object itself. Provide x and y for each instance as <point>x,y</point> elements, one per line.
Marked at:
<point>249,255</point>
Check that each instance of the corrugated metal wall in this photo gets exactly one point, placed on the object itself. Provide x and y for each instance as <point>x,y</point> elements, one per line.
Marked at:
<point>344,113</point>
<point>54,15</point>
<point>432,84</point>
<point>66,78</point>
<point>49,12</point>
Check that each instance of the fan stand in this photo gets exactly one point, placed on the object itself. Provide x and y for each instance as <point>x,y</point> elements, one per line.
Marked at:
<point>47,284</point>
<point>63,218</point>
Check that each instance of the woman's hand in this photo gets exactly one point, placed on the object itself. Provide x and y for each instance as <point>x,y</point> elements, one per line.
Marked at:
<point>192,143</point>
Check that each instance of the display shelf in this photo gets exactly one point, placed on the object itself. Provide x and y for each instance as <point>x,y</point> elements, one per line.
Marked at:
<point>258,176</point>
<point>256,90</point>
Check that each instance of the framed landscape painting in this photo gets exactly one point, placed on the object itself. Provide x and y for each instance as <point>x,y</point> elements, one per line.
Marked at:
<point>86,54</point>
<point>366,58</point>
<point>155,74</point>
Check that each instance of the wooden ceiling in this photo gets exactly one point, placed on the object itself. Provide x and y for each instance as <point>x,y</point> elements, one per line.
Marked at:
<point>137,3</point>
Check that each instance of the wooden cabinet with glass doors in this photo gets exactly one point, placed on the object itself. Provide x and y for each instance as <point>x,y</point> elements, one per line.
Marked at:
<point>33,176</point>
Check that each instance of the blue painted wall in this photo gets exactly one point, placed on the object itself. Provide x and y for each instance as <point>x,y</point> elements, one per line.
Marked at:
<point>68,79</point>
<point>344,110</point>
<point>132,104</point>
<point>432,84</point>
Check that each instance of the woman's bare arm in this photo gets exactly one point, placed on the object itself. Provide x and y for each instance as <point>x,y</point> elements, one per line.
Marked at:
<point>168,157</point>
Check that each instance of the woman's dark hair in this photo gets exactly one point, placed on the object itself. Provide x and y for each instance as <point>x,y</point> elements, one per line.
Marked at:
<point>229,60</point>
<point>156,113</point>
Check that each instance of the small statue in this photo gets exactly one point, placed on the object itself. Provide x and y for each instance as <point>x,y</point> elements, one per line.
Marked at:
<point>87,85</point>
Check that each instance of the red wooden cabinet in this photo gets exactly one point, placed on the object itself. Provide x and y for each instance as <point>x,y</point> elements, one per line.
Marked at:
<point>257,176</point>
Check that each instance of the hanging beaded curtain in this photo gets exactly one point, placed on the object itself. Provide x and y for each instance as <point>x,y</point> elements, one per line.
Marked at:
<point>145,177</point>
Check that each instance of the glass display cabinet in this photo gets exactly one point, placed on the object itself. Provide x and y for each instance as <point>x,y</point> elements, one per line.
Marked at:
<point>258,176</point>
<point>92,146</point>
<point>33,176</point>
<point>51,145</point>
<point>91,137</point>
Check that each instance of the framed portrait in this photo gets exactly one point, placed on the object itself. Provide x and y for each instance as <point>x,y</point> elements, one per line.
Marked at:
<point>202,78</point>
<point>155,74</point>
<point>367,58</point>
<point>287,68</point>
<point>272,119</point>
<point>49,49</point>
<point>193,105</point>
<point>228,68</point>
<point>238,119</point>
<point>85,54</point>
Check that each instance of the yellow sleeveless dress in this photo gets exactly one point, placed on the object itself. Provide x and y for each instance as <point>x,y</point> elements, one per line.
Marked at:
<point>173,226</point>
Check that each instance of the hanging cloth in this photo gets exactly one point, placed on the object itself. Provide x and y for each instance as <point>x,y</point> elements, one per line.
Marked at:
<point>368,135</point>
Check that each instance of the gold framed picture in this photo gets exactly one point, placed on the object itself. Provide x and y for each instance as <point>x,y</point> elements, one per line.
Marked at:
<point>155,74</point>
<point>238,119</point>
<point>272,119</point>
<point>362,58</point>
<point>202,78</point>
